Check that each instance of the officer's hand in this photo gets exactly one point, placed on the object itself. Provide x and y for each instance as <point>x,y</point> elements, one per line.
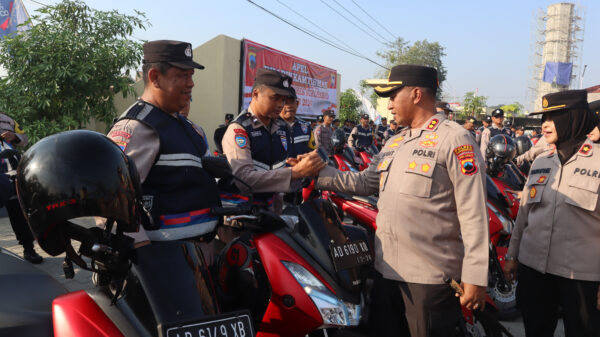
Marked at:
<point>309,165</point>
<point>8,136</point>
<point>510,270</point>
<point>473,297</point>
<point>292,161</point>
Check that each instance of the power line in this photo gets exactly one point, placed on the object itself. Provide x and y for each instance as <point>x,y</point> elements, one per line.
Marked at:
<point>315,35</point>
<point>354,24</point>
<point>361,21</point>
<point>318,27</point>
<point>372,18</point>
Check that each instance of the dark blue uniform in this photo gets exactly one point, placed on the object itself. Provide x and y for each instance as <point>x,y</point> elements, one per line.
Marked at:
<point>300,133</point>
<point>360,137</point>
<point>178,192</point>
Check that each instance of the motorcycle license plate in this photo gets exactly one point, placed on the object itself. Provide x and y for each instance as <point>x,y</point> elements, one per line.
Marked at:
<point>239,325</point>
<point>350,254</point>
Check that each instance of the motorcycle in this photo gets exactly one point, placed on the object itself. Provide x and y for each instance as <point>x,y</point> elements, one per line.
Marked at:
<point>297,273</point>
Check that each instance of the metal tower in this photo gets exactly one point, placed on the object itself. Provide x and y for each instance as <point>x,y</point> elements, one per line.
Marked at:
<point>557,36</point>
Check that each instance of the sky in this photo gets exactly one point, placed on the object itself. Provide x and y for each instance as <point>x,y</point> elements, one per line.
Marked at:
<point>487,42</point>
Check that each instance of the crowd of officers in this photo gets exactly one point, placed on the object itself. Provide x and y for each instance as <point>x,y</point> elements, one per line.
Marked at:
<point>430,177</point>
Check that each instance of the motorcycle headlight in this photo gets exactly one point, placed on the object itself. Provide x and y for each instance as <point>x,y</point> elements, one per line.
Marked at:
<point>507,223</point>
<point>334,311</point>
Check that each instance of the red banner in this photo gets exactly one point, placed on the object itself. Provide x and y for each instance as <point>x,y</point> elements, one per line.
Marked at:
<point>316,86</point>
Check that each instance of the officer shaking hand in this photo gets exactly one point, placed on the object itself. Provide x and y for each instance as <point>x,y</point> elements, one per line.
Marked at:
<point>432,221</point>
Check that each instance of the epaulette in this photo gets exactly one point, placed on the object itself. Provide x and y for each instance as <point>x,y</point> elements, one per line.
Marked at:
<point>244,119</point>
<point>138,110</point>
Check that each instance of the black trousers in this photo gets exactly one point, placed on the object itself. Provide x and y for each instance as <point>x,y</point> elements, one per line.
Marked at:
<point>18,223</point>
<point>412,309</point>
<point>540,295</point>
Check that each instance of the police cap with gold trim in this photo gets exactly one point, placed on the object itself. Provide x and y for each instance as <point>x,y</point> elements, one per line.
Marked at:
<point>406,75</point>
<point>568,99</point>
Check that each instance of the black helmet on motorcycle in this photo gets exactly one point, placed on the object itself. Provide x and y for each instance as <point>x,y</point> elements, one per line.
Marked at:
<point>500,150</point>
<point>75,174</point>
<point>523,144</point>
<point>338,140</point>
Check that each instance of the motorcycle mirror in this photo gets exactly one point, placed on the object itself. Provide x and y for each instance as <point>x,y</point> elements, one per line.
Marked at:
<point>218,167</point>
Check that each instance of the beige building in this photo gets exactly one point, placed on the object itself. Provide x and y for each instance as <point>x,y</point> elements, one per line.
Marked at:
<point>217,87</point>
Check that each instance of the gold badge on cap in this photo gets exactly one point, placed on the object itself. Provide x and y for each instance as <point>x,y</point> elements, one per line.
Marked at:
<point>544,103</point>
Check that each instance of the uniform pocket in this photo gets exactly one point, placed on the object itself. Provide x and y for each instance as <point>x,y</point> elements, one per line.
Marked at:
<point>417,178</point>
<point>583,193</point>
<point>383,168</point>
<point>535,188</point>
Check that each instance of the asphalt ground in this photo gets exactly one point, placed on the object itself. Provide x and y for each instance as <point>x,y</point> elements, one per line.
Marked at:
<point>52,265</point>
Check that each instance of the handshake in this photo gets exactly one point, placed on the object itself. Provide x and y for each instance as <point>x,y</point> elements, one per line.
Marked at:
<point>308,164</point>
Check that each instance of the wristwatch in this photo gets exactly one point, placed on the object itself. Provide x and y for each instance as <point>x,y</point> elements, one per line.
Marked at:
<point>509,257</point>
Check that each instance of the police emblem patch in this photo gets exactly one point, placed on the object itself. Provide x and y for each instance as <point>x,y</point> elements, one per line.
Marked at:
<point>284,142</point>
<point>466,158</point>
<point>541,179</point>
<point>241,141</point>
<point>544,103</point>
<point>286,84</point>
<point>585,149</point>
<point>431,136</point>
<point>304,127</point>
<point>532,192</point>
<point>188,51</point>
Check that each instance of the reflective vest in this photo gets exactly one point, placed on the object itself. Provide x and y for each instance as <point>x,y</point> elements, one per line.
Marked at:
<point>177,192</point>
<point>363,137</point>
<point>495,131</point>
<point>381,130</point>
<point>300,133</point>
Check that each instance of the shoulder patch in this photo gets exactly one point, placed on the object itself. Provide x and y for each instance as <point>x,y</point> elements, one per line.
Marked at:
<point>466,159</point>
<point>241,140</point>
<point>434,122</point>
<point>586,149</point>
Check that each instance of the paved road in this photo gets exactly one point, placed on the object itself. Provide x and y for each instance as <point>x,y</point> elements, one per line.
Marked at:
<point>82,280</point>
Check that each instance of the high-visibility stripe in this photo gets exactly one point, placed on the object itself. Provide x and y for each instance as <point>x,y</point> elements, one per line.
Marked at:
<point>278,165</point>
<point>260,165</point>
<point>178,163</point>
<point>303,138</point>
<point>179,159</point>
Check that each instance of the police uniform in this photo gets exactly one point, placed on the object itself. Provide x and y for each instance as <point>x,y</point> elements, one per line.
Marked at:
<point>529,156</point>
<point>167,150</point>
<point>347,131</point>
<point>323,136</point>
<point>432,220</point>
<point>300,137</point>
<point>380,131</point>
<point>17,220</point>
<point>556,235</point>
<point>256,152</point>
<point>360,137</point>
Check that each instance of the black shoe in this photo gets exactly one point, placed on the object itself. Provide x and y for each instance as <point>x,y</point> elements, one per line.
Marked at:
<point>31,256</point>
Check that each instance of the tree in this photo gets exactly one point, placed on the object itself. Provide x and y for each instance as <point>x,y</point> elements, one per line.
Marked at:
<point>421,52</point>
<point>513,110</point>
<point>349,106</point>
<point>365,89</point>
<point>474,105</point>
<point>65,70</point>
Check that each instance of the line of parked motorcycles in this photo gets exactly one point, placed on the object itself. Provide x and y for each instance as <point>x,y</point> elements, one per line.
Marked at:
<point>303,273</point>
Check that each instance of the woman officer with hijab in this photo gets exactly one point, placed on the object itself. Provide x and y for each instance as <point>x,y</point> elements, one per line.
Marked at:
<point>556,238</point>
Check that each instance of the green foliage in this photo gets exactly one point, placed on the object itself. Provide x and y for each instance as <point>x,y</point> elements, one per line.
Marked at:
<point>473,105</point>
<point>65,70</point>
<point>421,52</point>
<point>513,110</point>
<point>349,106</point>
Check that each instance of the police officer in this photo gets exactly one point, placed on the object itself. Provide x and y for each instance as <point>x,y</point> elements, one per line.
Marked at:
<point>510,129</point>
<point>12,136</point>
<point>256,143</point>
<point>362,134</point>
<point>381,129</point>
<point>485,122</point>
<point>444,107</point>
<point>495,129</point>
<point>220,131</point>
<point>432,219</point>
<point>555,238</point>
<point>470,126</point>
<point>168,150</point>
<point>347,128</point>
<point>392,131</point>
<point>324,133</point>
<point>300,130</point>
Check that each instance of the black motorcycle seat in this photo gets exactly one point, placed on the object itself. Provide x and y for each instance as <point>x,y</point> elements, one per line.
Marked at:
<point>26,295</point>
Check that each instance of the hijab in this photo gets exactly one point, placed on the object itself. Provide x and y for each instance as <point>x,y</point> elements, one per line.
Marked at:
<point>572,126</point>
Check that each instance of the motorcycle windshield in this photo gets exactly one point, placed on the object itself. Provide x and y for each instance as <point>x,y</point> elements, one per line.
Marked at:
<point>494,195</point>
<point>319,231</point>
<point>175,282</point>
